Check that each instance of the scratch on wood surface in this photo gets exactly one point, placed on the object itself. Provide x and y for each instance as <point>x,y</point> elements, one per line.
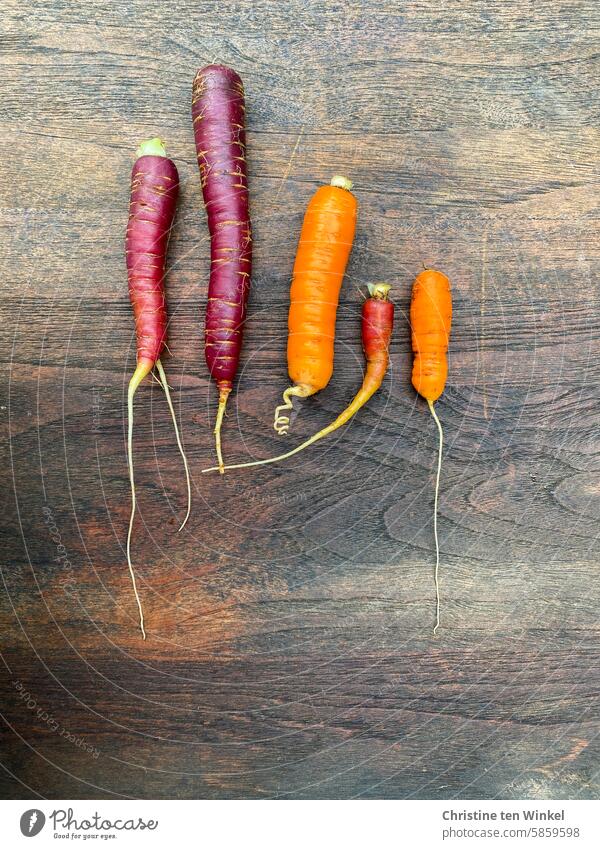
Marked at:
<point>482,315</point>
<point>286,173</point>
<point>579,745</point>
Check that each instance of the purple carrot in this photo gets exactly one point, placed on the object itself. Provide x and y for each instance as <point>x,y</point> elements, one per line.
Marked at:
<point>219,115</point>
<point>154,190</point>
<point>152,204</point>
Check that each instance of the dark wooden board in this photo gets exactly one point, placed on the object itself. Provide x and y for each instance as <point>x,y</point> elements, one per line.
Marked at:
<point>290,651</point>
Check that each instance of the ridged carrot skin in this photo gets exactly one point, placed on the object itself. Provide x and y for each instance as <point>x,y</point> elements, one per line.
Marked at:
<point>153,200</point>
<point>219,116</point>
<point>323,250</point>
<point>377,326</point>
<point>430,319</point>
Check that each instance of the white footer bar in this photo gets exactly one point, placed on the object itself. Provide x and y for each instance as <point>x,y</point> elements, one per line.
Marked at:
<point>274,824</point>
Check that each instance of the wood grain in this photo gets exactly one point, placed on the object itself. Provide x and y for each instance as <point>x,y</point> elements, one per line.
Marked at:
<point>290,652</point>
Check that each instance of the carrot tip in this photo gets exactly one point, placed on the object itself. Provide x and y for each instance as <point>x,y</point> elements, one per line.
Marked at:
<point>143,368</point>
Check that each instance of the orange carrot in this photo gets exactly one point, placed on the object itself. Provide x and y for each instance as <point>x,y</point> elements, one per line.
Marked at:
<point>430,319</point>
<point>377,325</point>
<point>323,250</point>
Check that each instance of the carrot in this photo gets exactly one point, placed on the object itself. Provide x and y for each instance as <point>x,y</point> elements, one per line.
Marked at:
<point>430,318</point>
<point>377,325</point>
<point>218,111</point>
<point>154,190</point>
<point>323,250</point>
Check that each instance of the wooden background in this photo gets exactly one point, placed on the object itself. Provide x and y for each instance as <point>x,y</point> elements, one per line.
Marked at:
<point>290,651</point>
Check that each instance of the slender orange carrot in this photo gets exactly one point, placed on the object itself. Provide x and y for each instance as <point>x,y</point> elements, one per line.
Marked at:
<point>430,319</point>
<point>323,250</point>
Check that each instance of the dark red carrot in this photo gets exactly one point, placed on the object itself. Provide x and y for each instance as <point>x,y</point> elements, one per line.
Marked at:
<point>219,114</point>
<point>377,326</point>
<point>153,200</point>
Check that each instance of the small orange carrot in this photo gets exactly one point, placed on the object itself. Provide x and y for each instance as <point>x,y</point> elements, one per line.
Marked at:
<point>430,319</point>
<point>323,250</point>
<point>377,325</point>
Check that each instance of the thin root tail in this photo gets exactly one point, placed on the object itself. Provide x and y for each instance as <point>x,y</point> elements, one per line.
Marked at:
<point>435,518</point>
<point>165,386</point>
<point>144,368</point>
<point>282,423</point>
<point>223,396</point>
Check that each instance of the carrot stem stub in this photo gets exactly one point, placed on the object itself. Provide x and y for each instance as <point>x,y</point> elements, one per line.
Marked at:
<point>153,200</point>
<point>376,329</point>
<point>430,319</point>
<point>219,117</point>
